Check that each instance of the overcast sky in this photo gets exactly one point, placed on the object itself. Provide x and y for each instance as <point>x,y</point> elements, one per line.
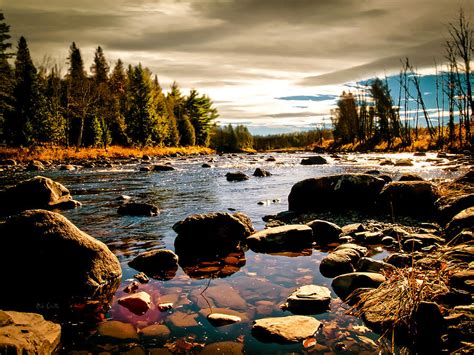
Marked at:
<point>270,64</point>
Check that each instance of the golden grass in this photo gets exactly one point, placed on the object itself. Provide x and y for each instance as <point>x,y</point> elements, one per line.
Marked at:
<point>397,299</point>
<point>60,153</point>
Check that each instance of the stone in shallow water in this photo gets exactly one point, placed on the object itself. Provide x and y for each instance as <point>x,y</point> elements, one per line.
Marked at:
<point>224,347</point>
<point>38,192</point>
<point>183,320</point>
<point>138,303</point>
<point>220,319</point>
<point>290,329</point>
<point>159,263</point>
<point>60,263</point>
<point>138,209</point>
<point>309,299</point>
<point>27,333</point>
<point>283,238</point>
<point>155,332</point>
<point>117,330</point>
<point>345,284</point>
<point>324,232</point>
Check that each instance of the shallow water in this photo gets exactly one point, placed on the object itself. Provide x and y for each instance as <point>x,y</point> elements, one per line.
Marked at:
<point>255,289</point>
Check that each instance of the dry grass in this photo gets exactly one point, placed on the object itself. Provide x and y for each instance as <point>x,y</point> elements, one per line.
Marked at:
<point>61,154</point>
<point>396,300</point>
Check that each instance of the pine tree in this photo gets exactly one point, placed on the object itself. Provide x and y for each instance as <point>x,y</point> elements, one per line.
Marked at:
<point>79,98</point>
<point>141,117</point>
<point>6,74</point>
<point>103,103</point>
<point>27,111</point>
<point>162,127</point>
<point>201,113</point>
<point>118,89</point>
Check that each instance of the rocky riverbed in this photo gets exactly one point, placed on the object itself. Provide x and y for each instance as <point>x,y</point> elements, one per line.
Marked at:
<point>239,253</point>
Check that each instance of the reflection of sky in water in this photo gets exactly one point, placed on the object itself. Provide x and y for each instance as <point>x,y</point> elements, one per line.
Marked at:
<point>264,281</point>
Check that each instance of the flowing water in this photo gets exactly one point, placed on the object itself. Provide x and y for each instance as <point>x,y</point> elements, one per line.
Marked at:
<point>254,286</point>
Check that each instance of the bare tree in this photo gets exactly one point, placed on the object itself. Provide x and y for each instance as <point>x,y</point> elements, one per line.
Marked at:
<point>461,46</point>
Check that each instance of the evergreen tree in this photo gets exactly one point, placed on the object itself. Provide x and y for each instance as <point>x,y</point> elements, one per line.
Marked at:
<point>346,119</point>
<point>6,73</point>
<point>141,117</point>
<point>104,102</point>
<point>55,130</point>
<point>118,89</point>
<point>201,113</point>
<point>28,111</point>
<point>162,126</point>
<point>79,96</point>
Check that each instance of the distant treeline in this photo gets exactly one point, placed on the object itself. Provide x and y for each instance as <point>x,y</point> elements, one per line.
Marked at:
<point>295,139</point>
<point>124,106</point>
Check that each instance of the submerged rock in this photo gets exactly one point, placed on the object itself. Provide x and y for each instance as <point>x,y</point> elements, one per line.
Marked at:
<point>282,238</point>
<point>290,329</point>
<point>138,209</point>
<point>335,192</point>
<point>27,333</point>
<point>211,232</point>
<point>237,176</point>
<point>138,303</point>
<point>162,168</point>
<point>219,265</point>
<point>159,264</point>
<point>38,192</point>
<point>408,198</point>
<point>309,299</point>
<point>117,331</point>
<point>59,263</point>
<point>345,284</point>
<point>220,319</point>
<point>316,160</point>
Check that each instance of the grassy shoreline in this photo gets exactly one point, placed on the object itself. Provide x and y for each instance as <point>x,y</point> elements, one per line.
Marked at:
<point>113,152</point>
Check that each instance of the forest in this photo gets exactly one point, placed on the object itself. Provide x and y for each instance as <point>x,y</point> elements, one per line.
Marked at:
<point>113,106</point>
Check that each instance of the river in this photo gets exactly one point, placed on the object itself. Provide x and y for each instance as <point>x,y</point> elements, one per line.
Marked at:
<point>256,289</point>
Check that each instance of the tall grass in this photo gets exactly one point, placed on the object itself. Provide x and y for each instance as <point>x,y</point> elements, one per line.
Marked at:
<point>55,153</point>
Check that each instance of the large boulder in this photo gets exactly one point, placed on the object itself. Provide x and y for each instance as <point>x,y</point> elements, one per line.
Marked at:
<point>211,232</point>
<point>283,330</point>
<point>27,333</point>
<point>38,192</point>
<point>160,264</point>
<point>345,284</point>
<point>335,192</point>
<point>282,238</point>
<point>45,259</point>
<point>408,198</point>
